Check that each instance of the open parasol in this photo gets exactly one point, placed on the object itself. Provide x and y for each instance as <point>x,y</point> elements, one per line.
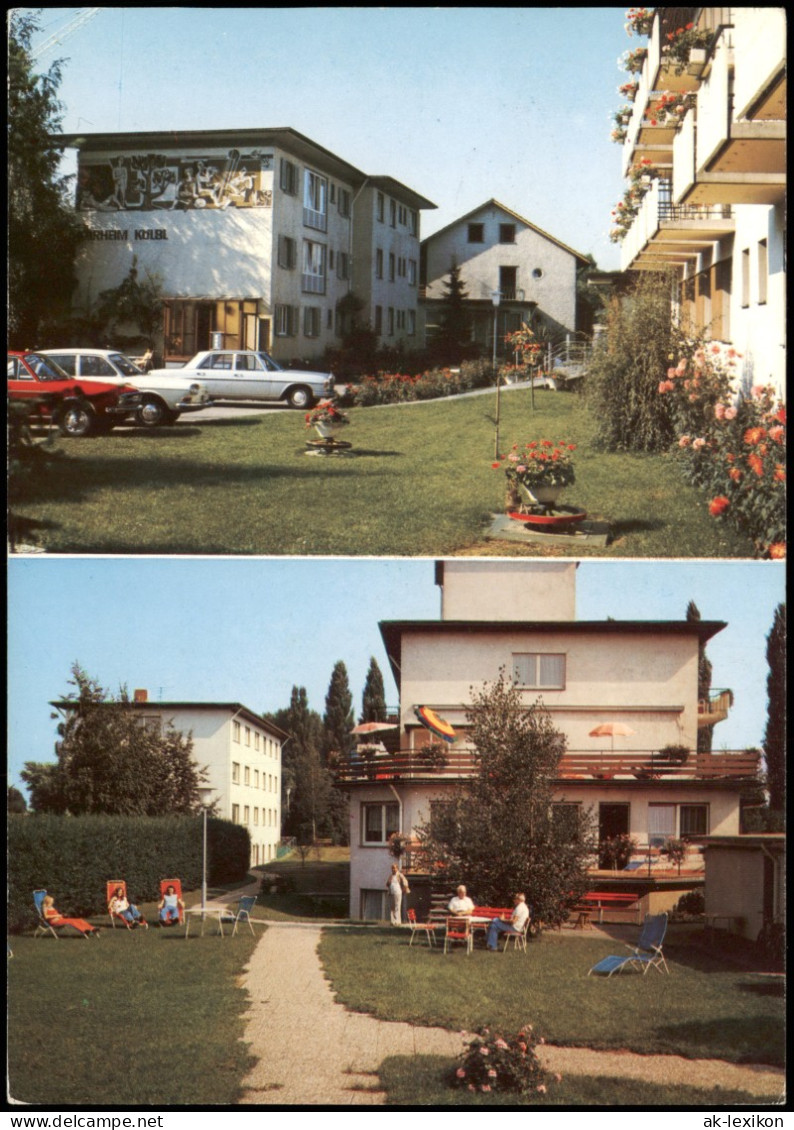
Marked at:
<point>372,727</point>
<point>431,721</point>
<point>611,730</point>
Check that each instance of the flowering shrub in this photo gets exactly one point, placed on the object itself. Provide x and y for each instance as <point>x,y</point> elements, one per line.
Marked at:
<point>326,412</point>
<point>639,21</point>
<point>681,42</point>
<point>492,1063</point>
<point>524,341</point>
<point>731,445</point>
<point>641,175</point>
<point>397,388</point>
<point>629,89</point>
<point>538,464</point>
<point>632,61</point>
<point>669,108</point>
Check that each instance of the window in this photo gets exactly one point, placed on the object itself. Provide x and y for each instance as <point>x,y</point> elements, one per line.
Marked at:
<point>235,731</point>
<point>390,330</point>
<point>343,265</point>
<point>411,322</point>
<point>476,233</point>
<point>246,815</point>
<point>378,822</point>
<point>379,206</point>
<point>661,824</point>
<point>392,262</point>
<point>332,193</point>
<point>344,202</point>
<point>256,778</point>
<point>539,670</point>
<point>246,775</point>
<point>235,773</point>
<point>315,189</point>
<point>248,735</point>
<point>313,280</point>
<point>256,739</point>
<point>412,272</point>
<point>392,214</point>
<point>373,904</point>
<point>288,177</point>
<point>412,225</point>
<point>287,255</point>
<point>256,816</point>
<point>694,820</point>
<point>763,270</point>
<point>537,273</point>
<point>507,233</point>
<point>152,724</point>
<point>285,321</point>
<point>378,263</point>
<point>311,321</point>
<point>235,814</point>
<point>378,319</point>
<point>746,277</point>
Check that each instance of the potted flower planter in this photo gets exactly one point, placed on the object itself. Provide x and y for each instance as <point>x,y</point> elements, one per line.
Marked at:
<point>328,431</point>
<point>540,495</point>
<point>697,61</point>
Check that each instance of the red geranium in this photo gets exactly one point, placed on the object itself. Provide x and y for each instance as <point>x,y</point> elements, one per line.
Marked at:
<point>718,505</point>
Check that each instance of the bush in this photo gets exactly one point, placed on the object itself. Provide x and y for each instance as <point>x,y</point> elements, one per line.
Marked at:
<point>492,1063</point>
<point>616,851</point>
<point>693,902</point>
<point>399,387</point>
<point>74,856</point>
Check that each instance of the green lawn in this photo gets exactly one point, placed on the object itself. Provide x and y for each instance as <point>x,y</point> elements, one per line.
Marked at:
<point>419,483</point>
<point>703,1009</point>
<point>135,1018</point>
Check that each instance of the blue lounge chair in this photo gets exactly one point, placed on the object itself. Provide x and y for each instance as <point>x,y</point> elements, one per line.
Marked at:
<point>244,908</point>
<point>646,953</point>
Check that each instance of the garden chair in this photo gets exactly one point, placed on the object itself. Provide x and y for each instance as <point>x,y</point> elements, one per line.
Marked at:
<point>244,908</point>
<point>43,927</point>
<point>647,952</point>
<point>177,885</point>
<point>519,940</point>
<point>426,928</point>
<point>111,886</point>
<point>459,930</point>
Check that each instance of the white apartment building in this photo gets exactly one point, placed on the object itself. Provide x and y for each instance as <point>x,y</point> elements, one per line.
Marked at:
<point>496,249</point>
<point>716,213</point>
<point>254,235</point>
<point>242,753</point>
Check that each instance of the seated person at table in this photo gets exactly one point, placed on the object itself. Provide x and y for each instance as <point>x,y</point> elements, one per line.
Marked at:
<point>121,906</point>
<point>516,924</point>
<point>460,903</point>
<point>169,907</point>
<point>55,918</point>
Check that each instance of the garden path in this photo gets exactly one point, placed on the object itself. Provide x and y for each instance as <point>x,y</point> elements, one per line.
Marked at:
<point>312,1051</point>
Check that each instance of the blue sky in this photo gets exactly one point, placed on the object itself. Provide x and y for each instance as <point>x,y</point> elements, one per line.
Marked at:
<point>461,104</point>
<point>248,630</point>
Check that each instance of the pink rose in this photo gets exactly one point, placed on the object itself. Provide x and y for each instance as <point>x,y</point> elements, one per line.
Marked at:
<point>684,441</point>
<point>698,443</point>
<point>719,411</point>
<point>730,413</point>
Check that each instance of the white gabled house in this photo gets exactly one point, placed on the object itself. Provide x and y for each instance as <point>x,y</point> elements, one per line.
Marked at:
<point>643,674</point>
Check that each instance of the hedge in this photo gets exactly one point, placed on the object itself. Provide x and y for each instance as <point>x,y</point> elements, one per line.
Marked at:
<point>74,856</point>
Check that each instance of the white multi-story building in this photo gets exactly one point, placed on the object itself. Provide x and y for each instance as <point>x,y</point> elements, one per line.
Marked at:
<point>716,211</point>
<point>242,753</point>
<point>254,236</point>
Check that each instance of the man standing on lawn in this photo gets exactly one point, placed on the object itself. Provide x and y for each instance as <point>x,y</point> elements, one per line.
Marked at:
<point>516,925</point>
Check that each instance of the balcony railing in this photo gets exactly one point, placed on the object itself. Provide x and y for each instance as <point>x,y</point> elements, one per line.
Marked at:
<point>579,765</point>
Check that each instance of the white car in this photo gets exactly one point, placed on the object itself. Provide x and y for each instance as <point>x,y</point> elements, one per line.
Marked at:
<point>165,394</point>
<point>253,375</point>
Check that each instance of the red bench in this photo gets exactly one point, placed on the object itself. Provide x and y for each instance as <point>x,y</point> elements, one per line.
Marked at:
<point>597,900</point>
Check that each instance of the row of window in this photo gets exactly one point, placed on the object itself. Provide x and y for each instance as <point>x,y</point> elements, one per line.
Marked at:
<point>317,262</point>
<point>396,321</point>
<point>398,214</point>
<point>399,267</point>
<point>665,821</point>
<point>318,194</point>
<point>507,233</point>
<point>269,816</point>
<point>269,780</point>
<point>240,736</point>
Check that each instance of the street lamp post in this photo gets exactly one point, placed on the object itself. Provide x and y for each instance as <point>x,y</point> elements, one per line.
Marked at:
<point>495,299</point>
<point>205,794</point>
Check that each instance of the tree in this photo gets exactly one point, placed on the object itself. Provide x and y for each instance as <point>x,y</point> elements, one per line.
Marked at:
<point>499,832</point>
<point>338,719</point>
<point>109,762</point>
<point>134,302</point>
<point>308,780</point>
<point>705,733</point>
<point>17,805</point>
<point>373,701</point>
<point>628,363</point>
<point>453,339</point>
<point>43,232</point>
<point>775,733</point>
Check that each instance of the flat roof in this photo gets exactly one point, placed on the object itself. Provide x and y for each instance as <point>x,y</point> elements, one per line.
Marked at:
<point>392,631</point>
<point>151,704</point>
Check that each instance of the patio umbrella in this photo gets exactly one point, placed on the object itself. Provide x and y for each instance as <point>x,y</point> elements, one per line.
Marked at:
<point>610,729</point>
<point>431,721</point>
<point>372,727</point>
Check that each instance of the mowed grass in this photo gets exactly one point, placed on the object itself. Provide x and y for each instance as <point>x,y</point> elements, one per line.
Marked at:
<point>703,1009</point>
<point>131,1019</point>
<point>418,482</point>
<point>424,1081</point>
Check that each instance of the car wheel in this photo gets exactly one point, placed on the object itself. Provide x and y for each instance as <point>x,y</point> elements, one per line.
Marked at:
<point>300,397</point>
<point>76,420</point>
<point>153,413</point>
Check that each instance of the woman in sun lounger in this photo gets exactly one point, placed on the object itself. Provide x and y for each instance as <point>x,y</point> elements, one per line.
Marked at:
<point>120,905</point>
<point>55,918</point>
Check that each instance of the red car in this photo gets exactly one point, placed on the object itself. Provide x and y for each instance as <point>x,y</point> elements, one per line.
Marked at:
<point>78,407</point>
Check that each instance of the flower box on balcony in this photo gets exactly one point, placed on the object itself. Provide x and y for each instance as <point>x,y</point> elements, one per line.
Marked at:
<point>697,61</point>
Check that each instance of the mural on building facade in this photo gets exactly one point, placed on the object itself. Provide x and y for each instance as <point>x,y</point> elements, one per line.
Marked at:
<point>150,181</point>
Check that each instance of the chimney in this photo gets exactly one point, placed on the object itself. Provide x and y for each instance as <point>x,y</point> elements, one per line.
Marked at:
<point>141,696</point>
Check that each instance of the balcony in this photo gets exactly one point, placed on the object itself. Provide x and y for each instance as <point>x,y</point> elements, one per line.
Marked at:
<point>665,234</point>
<point>714,709</point>
<point>722,159</point>
<point>594,766</point>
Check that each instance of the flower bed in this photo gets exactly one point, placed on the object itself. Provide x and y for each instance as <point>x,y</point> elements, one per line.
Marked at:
<point>731,445</point>
<point>492,1063</point>
<point>397,388</point>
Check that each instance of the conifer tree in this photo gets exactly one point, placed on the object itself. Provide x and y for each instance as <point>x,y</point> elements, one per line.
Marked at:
<point>338,719</point>
<point>373,701</point>
<point>775,734</point>
<point>705,734</point>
